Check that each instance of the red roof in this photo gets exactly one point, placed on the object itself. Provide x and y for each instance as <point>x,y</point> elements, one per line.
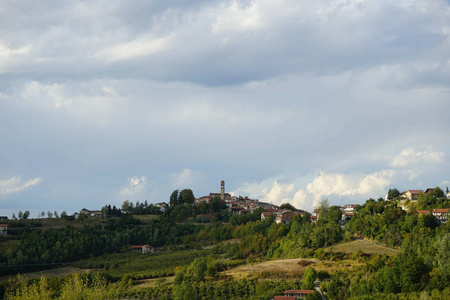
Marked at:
<point>299,292</point>
<point>3,225</point>
<point>414,191</point>
<point>267,213</point>
<point>423,212</point>
<point>440,210</point>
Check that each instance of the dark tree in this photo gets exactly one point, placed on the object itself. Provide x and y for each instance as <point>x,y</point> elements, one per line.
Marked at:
<point>287,206</point>
<point>187,196</point>
<point>393,193</point>
<point>173,200</point>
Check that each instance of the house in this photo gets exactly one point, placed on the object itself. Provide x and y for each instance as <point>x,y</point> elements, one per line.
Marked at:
<point>266,214</point>
<point>286,217</point>
<point>142,249</point>
<point>346,216</point>
<point>298,294</point>
<point>3,218</point>
<point>448,195</point>
<point>441,214</point>
<point>411,195</point>
<point>162,206</point>
<point>350,208</point>
<point>423,212</point>
<point>3,229</point>
<point>91,213</point>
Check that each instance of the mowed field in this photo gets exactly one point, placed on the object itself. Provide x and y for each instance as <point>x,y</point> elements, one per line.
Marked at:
<point>365,246</point>
<point>288,268</point>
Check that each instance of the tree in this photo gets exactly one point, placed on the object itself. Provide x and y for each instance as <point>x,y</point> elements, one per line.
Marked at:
<point>187,196</point>
<point>287,206</point>
<point>20,215</point>
<point>127,206</point>
<point>393,193</point>
<point>309,278</point>
<point>55,213</point>
<point>49,214</point>
<point>64,214</point>
<point>42,214</point>
<point>173,200</point>
<point>26,214</point>
<point>438,192</point>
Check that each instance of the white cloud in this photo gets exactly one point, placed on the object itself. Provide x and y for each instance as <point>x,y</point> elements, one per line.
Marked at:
<point>417,155</point>
<point>134,186</point>
<point>15,184</point>
<point>186,178</point>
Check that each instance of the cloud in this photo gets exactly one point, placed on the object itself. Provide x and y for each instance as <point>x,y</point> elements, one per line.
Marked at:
<point>416,156</point>
<point>134,186</point>
<point>14,185</point>
<point>186,178</point>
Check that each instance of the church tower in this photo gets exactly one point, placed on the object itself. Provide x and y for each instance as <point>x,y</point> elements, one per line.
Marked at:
<point>222,190</point>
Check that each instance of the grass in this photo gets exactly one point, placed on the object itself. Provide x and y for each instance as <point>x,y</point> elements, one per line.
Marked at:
<point>145,219</point>
<point>288,268</point>
<point>59,272</point>
<point>365,246</point>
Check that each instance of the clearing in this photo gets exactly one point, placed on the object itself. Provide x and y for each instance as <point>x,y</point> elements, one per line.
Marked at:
<point>363,245</point>
<point>289,268</point>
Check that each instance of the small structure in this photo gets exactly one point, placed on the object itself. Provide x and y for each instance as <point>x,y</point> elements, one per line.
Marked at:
<point>411,195</point>
<point>441,214</point>
<point>91,213</point>
<point>3,218</point>
<point>142,249</point>
<point>3,229</point>
<point>162,206</point>
<point>297,294</point>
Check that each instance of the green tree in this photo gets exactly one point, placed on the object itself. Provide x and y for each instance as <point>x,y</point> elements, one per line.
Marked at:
<point>309,278</point>
<point>26,215</point>
<point>287,206</point>
<point>173,200</point>
<point>393,193</point>
<point>187,196</point>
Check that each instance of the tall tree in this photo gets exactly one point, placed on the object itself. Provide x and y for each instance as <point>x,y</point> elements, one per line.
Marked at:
<point>173,200</point>
<point>187,196</point>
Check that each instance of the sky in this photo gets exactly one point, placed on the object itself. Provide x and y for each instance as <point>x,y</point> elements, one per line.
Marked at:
<point>287,101</point>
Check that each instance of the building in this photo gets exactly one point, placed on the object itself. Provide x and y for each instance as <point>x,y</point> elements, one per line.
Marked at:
<point>91,213</point>
<point>3,218</point>
<point>162,206</point>
<point>441,214</point>
<point>286,217</point>
<point>3,229</point>
<point>411,195</point>
<point>298,294</point>
<point>222,195</point>
<point>142,249</point>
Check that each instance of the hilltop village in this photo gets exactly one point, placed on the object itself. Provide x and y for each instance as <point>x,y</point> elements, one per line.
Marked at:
<point>220,246</point>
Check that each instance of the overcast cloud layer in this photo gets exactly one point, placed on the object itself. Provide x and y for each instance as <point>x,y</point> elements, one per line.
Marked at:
<point>287,101</point>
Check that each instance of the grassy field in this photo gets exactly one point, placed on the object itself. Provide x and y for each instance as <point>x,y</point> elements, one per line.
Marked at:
<point>289,268</point>
<point>365,246</point>
<point>145,219</point>
<point>59,272</point>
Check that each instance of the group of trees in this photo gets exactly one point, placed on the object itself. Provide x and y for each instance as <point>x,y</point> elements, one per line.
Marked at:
<point>179,198</point>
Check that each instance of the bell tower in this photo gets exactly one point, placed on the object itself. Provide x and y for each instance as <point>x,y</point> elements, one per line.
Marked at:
<point>222,190</point>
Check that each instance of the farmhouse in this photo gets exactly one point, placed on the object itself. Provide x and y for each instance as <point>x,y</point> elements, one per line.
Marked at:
<point>441,214</point>
<point>294,294</point>
<point>3,229</point>
<point>142,249</point>
<point>411,194</point>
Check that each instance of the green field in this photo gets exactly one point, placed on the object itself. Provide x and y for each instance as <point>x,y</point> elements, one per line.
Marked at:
<point>365,246</point>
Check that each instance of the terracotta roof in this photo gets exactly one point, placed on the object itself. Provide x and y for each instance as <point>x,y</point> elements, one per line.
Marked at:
<point>267,213</point>
<point>423,212</point>
<point>3,225</point>
<point>440,210</point>
<point>414,191</point>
